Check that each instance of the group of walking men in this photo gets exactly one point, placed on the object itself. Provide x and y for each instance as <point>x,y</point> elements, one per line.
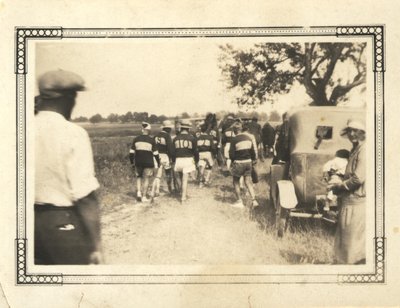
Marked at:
<point>178,157</point>
<point>196,149</point>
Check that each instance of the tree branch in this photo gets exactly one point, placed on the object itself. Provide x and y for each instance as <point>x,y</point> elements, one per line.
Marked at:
<point>322,59</point>
<point>310,87</point>
<point>336,52</point>
<point>340,91</point>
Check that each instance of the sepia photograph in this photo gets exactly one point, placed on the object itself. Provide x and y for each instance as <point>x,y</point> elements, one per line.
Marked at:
<point>201,151</point>
<point>199,154</point>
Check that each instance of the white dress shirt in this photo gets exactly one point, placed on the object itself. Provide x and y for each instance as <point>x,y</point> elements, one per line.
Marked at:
<point>64,168</point>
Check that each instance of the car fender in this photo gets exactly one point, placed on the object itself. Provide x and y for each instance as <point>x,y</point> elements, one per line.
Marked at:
<point>287,195</point>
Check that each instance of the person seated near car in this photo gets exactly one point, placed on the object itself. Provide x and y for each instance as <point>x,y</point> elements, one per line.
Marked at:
<point>333,172</point>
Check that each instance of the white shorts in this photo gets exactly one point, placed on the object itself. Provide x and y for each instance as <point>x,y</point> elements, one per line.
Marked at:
<point>164,161</point>
<point>226,150</point>
<point>205,159</point>
<point>185,165</point>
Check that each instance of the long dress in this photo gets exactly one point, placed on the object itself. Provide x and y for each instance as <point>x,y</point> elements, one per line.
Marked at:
<point>349,245</point>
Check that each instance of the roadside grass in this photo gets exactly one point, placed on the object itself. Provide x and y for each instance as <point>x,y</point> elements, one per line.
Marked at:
<point>305,241</point>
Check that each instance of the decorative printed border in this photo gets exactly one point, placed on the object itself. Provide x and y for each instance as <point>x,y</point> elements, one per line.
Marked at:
<point>23,34</point>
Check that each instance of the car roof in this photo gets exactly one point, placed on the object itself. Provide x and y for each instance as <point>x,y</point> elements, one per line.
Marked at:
<point>304,123</point>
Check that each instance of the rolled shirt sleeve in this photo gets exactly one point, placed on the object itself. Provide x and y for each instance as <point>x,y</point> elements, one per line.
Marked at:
<point>80,166</point>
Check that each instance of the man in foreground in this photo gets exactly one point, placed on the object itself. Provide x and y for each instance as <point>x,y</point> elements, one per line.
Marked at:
<point>67,214</point>
<point>243,155</point>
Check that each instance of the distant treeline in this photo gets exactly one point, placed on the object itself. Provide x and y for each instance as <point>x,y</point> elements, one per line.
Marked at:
<point>137,117</point>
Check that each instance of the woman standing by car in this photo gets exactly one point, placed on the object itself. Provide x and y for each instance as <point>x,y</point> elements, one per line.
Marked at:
<point>349,245</point>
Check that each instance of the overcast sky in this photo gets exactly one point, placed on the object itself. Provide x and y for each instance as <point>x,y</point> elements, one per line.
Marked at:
<point>160,76</point>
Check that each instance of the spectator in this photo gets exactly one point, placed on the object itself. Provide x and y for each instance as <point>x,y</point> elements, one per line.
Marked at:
<point>349,247</point>
<point>67,214</point>
<point>282,142</point>
<point>268,138</point>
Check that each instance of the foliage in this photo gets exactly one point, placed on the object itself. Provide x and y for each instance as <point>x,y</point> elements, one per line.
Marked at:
<point>97,118</point>
<point>274,116</point>
<point>113,118</point>
<point>272,68</point>
<point>80,119</point>
<point>153,119</point>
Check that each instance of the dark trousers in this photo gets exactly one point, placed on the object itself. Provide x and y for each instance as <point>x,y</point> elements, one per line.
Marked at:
<point>60,236</point>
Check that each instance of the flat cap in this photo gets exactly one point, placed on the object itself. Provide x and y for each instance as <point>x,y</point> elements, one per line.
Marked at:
<point>55,84</point>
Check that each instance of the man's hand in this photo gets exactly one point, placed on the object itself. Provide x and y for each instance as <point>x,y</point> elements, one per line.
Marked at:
<point>96,257</point>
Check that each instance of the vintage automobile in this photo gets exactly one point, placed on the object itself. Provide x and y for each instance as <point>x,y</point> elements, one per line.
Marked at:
<point>297,187</point>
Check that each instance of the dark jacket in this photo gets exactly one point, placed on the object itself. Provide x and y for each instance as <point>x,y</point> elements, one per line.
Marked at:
<point>185,145</point>
<point>268,135</point>
<point>282,145</point>
<point>255,129</point>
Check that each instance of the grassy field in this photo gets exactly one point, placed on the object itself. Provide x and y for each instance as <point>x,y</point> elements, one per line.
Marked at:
<point>205,231</point>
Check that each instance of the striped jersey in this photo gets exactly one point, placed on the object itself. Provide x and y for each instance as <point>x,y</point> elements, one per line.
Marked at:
<point>185,145</point>
<point>164,143</point>
<point>143,151</point>
<point>205,143</point>
<point>242,148</point>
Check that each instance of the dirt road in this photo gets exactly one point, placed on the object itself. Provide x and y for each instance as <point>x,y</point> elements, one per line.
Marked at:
<point>205,230</point>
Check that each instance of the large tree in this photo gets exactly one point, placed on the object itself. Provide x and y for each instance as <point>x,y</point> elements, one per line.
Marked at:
<point>271,68</point>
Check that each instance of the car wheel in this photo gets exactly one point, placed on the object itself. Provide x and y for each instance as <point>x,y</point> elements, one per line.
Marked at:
<point>282,216</point>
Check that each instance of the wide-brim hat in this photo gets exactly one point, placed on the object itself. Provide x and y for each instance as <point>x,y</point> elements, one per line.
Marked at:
<point>167,124</point>
<point>186,124</point>
<point>353,124</point>
<point>54,84</point>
